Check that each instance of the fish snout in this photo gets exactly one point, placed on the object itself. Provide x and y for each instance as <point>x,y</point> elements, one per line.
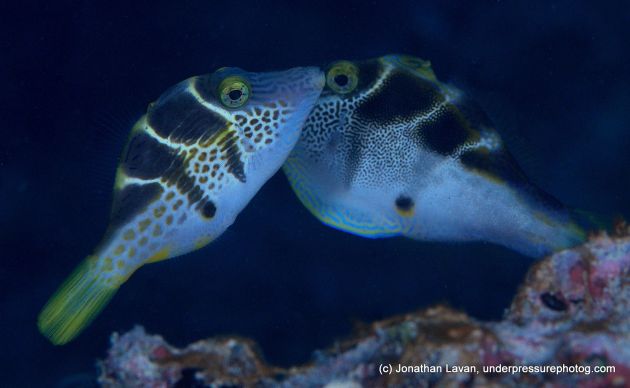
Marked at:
<point>303,86</point>
<point>292,92</point>
<point>295,93</point>
<point>315,77</point>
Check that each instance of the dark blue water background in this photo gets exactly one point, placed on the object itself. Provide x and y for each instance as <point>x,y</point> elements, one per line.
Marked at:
<point>553,75</point>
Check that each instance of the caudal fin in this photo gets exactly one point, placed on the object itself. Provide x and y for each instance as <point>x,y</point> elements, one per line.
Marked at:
<point>77,302</point>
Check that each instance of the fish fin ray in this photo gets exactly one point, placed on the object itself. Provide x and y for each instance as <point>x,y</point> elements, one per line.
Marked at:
<point>75,304</point>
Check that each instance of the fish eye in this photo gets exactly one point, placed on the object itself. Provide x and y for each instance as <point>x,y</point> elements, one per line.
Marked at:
<point>234,92</point>
<point>342,77</point>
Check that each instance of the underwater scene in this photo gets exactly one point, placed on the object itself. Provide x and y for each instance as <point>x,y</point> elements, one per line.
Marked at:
<point>315,194</point>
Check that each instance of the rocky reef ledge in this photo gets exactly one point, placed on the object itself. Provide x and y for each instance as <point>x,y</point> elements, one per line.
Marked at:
<point>572,313</point>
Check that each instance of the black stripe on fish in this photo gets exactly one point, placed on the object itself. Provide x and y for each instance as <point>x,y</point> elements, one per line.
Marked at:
<point>400,98</point>
<point>178,176</point>
<point>501,166</point>
<point>206,86</point>
<point>181,118</point>
<point>368,73</point>
<point>232,155</point>
<point>444,131</point>
<point>132,200</point>
<point>195,194</point>
<point>475,116</point>
<point>146,158</point>
<point>498,164</point>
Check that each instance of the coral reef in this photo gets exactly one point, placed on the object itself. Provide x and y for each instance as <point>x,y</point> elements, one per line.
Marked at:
<point>572,313</point>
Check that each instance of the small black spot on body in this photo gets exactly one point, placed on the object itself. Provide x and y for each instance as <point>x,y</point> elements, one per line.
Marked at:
<point>209,209</point>
<point>404,203</point>
<point>444,132</point>
<point>553,302</point>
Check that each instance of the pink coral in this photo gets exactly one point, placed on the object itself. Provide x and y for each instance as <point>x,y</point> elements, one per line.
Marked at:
<point>573,310</point>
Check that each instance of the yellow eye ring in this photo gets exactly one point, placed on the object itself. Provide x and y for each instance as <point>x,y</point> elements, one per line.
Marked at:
<point>342,77</point>
<point>234,92</point>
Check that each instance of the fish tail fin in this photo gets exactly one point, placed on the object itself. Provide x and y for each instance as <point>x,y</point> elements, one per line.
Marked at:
<point>76,303</point>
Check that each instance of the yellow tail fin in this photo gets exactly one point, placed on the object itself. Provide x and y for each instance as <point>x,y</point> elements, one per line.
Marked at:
<point>77,302</point>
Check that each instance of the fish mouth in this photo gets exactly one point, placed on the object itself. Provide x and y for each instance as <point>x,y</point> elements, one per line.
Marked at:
<point>307,92</point>
<point>318,78</point>
<point>298,87</point>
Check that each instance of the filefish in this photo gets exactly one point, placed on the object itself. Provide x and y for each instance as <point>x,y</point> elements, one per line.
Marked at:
<point>190,165</point>
<point>389,150</point>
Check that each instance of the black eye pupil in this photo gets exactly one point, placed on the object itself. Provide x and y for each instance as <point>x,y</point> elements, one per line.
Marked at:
<point>341,79</point>
<point>235,94</point>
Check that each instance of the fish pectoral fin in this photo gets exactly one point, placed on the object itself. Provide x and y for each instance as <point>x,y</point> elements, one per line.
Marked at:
<point>76,303</point>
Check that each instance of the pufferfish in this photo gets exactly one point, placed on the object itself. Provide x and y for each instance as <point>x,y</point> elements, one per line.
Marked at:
<point>191,164</point>
<point>389,150</point>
